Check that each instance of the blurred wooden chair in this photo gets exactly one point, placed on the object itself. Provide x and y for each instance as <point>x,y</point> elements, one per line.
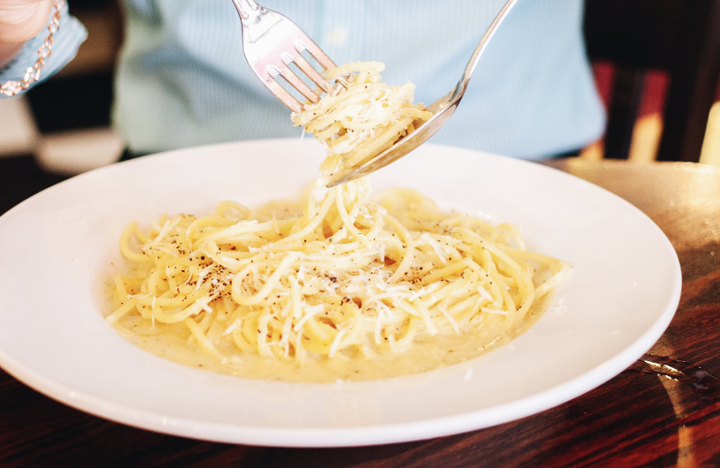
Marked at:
<point>681,37</point>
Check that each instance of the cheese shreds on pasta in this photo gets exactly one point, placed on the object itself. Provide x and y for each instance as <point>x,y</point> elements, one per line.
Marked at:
<point>361,118</point>
<point>344,286</point>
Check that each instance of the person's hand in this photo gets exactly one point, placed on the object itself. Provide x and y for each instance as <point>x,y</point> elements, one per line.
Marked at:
<point>20,21</point>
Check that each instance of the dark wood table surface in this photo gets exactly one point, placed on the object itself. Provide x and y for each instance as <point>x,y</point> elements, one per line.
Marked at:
<point>662,411</point>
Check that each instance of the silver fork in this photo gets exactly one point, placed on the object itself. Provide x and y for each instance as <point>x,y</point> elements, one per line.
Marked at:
<point>271,43</point>
<point>442,110</point>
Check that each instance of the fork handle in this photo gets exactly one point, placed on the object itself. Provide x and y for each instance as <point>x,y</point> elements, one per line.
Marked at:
<point>246,8</point>
<point>475,58</point>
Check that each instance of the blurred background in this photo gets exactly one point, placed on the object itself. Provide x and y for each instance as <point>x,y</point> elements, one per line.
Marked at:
<point>62,127</point>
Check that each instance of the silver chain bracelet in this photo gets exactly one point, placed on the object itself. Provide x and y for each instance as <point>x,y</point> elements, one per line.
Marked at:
<point>32,74</point>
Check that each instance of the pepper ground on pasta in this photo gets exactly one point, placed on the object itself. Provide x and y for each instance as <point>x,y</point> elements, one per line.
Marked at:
<point>339,278</point>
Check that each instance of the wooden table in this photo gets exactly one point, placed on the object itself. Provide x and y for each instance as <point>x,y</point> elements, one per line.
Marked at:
<point>662,411</point>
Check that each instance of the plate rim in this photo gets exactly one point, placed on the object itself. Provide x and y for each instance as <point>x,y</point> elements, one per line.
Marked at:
<point>341,436</point>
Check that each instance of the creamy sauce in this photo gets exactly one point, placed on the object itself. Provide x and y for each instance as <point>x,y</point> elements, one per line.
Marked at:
<point>427,353</point>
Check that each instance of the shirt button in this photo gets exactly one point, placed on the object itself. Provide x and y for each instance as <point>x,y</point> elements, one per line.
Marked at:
<point>337,37</point>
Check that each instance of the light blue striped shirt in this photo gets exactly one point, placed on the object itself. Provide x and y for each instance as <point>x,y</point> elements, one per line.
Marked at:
<point>183,81</point>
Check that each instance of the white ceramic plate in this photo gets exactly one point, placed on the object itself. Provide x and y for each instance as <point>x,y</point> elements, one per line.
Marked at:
<point>58,247</point>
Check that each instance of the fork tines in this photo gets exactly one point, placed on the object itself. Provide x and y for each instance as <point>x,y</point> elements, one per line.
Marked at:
<point>294,56</point>
<point>271,44</point>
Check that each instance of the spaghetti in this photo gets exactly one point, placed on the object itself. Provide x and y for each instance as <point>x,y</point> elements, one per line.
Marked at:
<point>342,278</point>
<point>344,285</point>
<point>362,117</point>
